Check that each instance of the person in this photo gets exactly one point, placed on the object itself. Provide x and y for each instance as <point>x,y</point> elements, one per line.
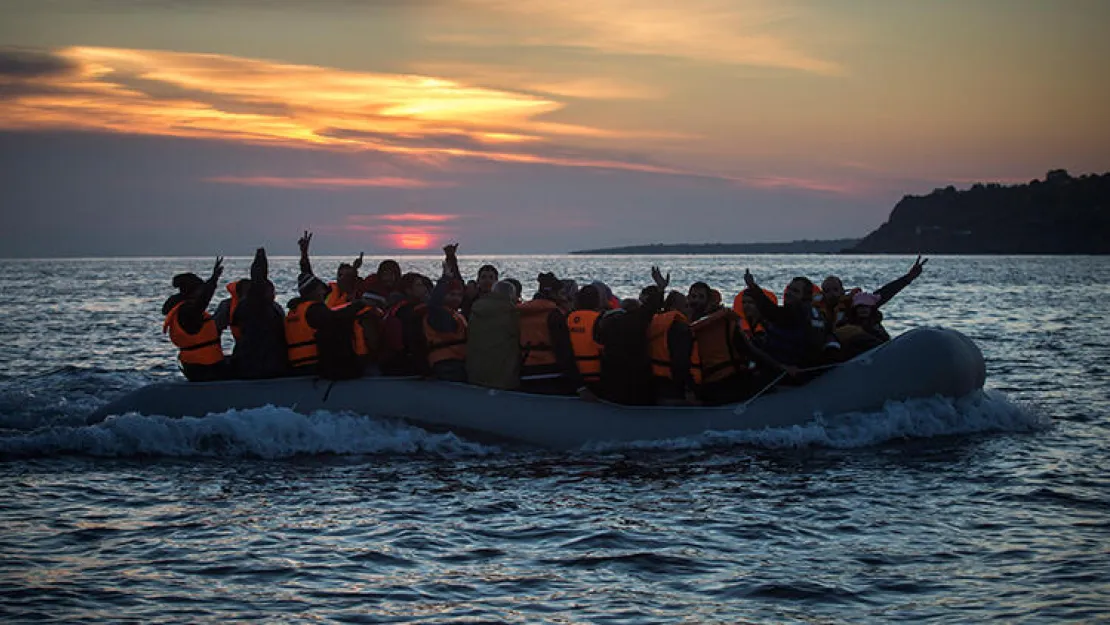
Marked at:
<point>444,325</point>
<point>751,321</point>
<point>670,345</point>
<point>547,358</point>
<point>192,329</point>
<point>345,288</point>
<point>383,286</point>
<point>697,298</point>
<point>493,339</point>
<point>863,326</point>
<point>608,300</point>
<point>835,303</point>
<point>626,373</point>
<point>226,308</point>
<point>519,297</point>
<point>367,336</point>
<point>796,333</point>
<point>404,346</point>
<point>320,339</point>
<point>476,289</point>
<point>580,324</point>
<point>727,366</point>
<point>260,350</point>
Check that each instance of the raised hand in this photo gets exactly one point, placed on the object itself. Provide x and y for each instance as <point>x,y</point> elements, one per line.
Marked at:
<point>218,268</point>
<point>358,261</point>
<point>749,279</point>
<point>918,265</point>
<point>451,249</point>
<point>660,281</point>
<point>304,242</point>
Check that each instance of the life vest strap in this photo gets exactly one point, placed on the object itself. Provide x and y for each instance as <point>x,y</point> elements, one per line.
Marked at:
<point>199,345</point>
<point>587,358</point>
<point>301,344</point>
<point>308,360</point>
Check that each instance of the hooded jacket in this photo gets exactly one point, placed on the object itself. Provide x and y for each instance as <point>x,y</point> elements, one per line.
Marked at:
<point>493,342</point>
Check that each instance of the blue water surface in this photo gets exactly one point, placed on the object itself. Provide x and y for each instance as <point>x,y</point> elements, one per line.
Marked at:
<point>989,507</point>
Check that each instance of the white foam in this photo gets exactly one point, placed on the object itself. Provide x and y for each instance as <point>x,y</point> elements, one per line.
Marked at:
<point>982,411</point>
<point>267,432</point>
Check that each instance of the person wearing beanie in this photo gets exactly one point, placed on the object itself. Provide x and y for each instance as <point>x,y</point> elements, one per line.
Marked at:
<point>320,340</point>
<point>548,364</point>
<point>445,326</point>
<point>192,329</point>
<point>347,284</point>
<point>863,326</point>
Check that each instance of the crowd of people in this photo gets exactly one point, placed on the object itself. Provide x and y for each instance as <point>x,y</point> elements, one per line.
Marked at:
<point>665,347</point>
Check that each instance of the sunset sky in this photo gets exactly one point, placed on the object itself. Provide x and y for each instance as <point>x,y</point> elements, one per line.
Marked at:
<point>214,126</point>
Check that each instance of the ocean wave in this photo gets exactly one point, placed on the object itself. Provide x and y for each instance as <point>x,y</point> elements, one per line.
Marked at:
<point>267,433</point>
<point>981,411</point>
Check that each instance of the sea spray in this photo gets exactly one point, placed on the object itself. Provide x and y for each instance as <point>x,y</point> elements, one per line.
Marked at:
<point>266,432</point>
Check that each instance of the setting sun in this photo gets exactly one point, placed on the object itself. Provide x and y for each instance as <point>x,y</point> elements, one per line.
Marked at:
<point>412,240</point>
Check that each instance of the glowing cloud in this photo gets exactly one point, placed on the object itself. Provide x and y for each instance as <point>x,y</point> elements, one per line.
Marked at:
<point>231,98</point>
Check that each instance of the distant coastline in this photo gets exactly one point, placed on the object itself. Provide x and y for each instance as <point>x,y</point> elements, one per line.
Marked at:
<point>805,246</point>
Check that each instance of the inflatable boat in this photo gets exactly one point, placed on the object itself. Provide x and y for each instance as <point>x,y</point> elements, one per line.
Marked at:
<point>924,362</point>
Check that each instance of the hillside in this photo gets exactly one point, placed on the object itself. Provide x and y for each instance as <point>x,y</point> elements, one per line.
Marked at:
<point>1059,215</point>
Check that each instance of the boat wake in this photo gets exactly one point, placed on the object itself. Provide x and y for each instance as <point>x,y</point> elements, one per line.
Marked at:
<point>981,411</point>
<point>276,433</point>
<point>266,433</point>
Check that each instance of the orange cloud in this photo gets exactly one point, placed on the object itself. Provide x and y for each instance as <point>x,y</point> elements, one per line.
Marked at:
<point>225,97</point>
<point>421,217</point>
<point>326,183</point>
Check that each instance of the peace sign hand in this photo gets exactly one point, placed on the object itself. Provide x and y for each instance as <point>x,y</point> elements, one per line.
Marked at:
<point>918,265</point>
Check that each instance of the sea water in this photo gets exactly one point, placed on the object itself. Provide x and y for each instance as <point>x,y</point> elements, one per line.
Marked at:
<point>992,506</point>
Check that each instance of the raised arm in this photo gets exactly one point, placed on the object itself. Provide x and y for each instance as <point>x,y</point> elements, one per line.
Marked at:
<point>766,307</point>
<point>303,243</point>
<point>894,287</point>
<point>210,284</point>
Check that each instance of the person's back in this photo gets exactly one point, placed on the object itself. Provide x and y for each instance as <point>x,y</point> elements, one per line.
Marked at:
<point>625,358</point>
<point>259,324</point>
<point>335,340</point>
<point>493,342</point>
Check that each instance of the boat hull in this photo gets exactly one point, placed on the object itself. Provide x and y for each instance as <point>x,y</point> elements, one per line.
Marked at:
<point>924,362</point>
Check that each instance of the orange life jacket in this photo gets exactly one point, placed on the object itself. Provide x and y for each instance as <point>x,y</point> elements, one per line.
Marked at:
<point>715,355</point>
<point>233,289</point>
<point>834,315</point>
<point>359,337</point>
<point>536,351</point>
<point>738,308</point>
<point>336,298</point>
<point>658,348</point>
<point>202,348</point>
<point>446,345</point>
<point>587,352</point>
<point>300,338</point>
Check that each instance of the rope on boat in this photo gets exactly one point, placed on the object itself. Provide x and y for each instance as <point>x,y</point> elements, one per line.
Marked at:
<point>744,406</point>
